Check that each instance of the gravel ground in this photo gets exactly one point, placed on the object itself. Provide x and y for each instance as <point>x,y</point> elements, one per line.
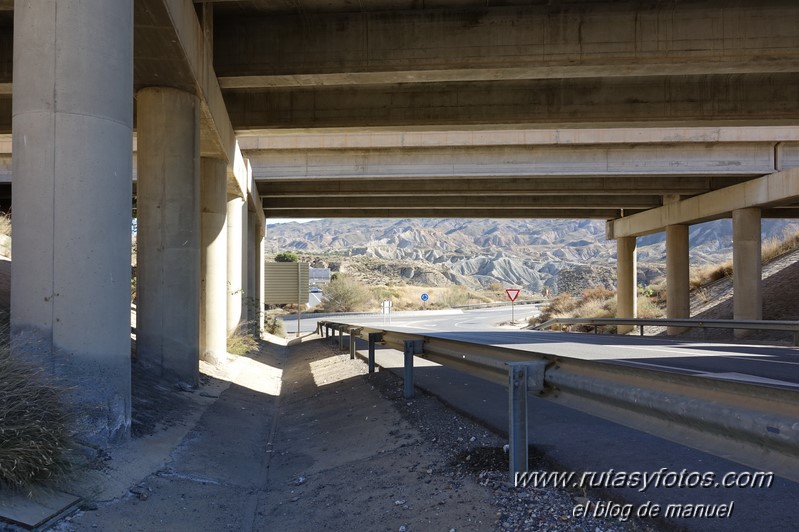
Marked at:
<point>475,454</point>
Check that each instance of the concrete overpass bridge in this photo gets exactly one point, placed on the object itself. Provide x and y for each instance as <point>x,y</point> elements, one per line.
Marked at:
<point>650,114</point>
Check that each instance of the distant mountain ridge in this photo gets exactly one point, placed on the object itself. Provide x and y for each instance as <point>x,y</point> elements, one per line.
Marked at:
<point>529,254</point>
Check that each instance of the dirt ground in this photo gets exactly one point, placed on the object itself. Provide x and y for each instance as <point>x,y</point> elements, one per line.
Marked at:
<point>326,447</point>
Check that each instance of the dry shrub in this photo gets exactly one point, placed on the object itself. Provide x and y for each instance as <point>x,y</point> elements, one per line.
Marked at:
<point>597,302</point>
<point>345,294</point>
<point>456,295</point>
<point>599,293</point>
<point>559,307</point>
<point>648,308</point>
<point>708,273</point>
<point>274,326</point>
<point>593,307</point>
<point>34,426</point>
<point>596,308</point>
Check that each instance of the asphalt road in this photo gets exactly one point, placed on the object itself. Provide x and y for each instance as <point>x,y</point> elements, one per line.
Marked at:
<point>770,365</point>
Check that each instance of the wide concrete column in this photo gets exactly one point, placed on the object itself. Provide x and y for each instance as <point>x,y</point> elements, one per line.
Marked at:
<point>168,206</point>
<point>72,137</point>
<point>678,300</point>
<point>213,261</point>
<point>626,289</point>
<point>235,209</point>
<point>746,267</point>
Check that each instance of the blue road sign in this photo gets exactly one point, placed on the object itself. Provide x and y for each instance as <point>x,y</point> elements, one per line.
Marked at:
<point>425,297</point>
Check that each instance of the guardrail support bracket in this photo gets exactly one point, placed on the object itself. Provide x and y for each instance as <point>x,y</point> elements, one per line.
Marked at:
<point>373,338</point>
<point>354,332</point>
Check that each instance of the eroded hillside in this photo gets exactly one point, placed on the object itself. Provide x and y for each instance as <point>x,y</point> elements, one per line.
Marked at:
<point>558,255</point>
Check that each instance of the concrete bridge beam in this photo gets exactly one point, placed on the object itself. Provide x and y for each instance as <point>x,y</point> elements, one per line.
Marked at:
<point>213,264</point>
<point>72,123</point>
<point>678,302</point>
<point>626,289</point>
<point>168,313</point>
<point>747,267</point>
<point>236,207</point>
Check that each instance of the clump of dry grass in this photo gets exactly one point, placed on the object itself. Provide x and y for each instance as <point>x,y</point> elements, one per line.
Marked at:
<point>242,341</point>
<point>707,273</point>
<point>5,224</point>
<point>774,247</point>
<point>34,425</point>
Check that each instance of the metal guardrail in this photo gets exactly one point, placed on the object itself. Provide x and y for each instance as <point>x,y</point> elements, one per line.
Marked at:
<point>688,323</point>
<point>477,306</point>
<point>757,425</point>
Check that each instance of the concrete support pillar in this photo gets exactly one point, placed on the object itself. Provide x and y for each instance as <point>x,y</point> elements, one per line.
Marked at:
<point>678,301</point>
<point>168,167</point>
<point>626,290</point>
<point>252,270</point>
<point>245,262</point>
<point>213,262</point>
<point>72,136</point>
<point>235,209</point>
<point>746,267</point>
<point>260,257</point>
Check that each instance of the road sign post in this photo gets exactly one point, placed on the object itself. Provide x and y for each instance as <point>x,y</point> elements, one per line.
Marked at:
<point>425,297</point>
<point>512,293</point>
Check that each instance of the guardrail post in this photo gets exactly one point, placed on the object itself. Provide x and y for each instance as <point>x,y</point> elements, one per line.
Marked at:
<point>409,351</point>
<point>354,333</point>
<point>517,417</point>
<point>372,340</point>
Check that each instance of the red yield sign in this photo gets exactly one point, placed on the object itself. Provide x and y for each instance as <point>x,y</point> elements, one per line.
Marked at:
<point>513,293</point>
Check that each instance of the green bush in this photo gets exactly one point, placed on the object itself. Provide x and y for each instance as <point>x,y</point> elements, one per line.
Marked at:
<point>287,256</point>
<point>34,427</point>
